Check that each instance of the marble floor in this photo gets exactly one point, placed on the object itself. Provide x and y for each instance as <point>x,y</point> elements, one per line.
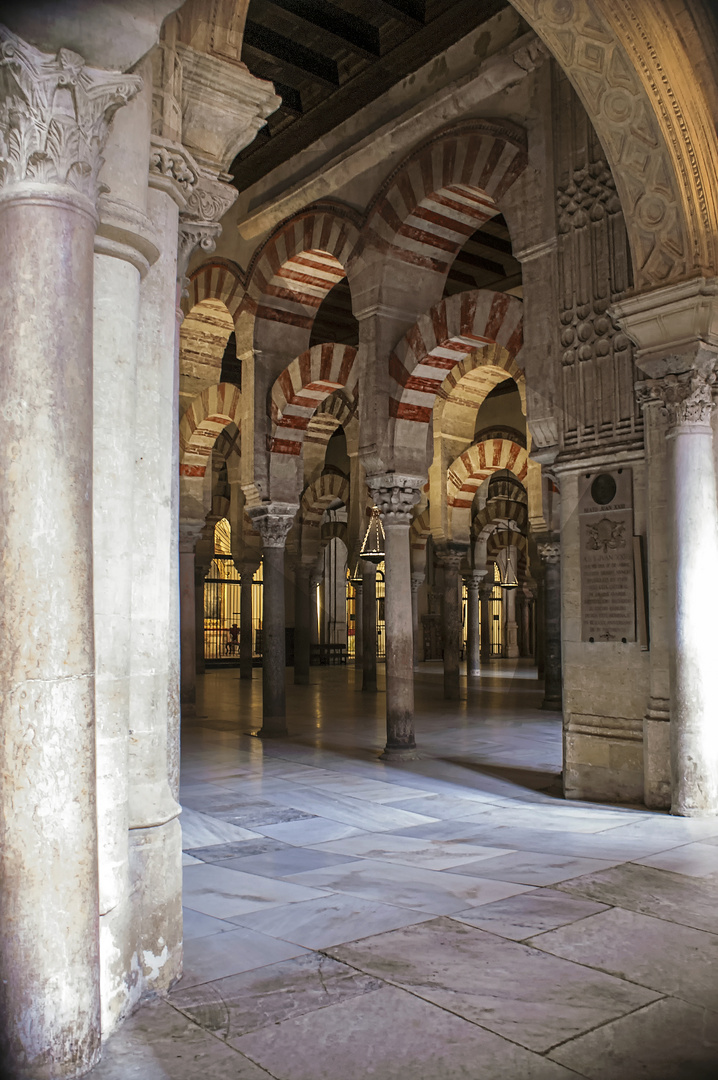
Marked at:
<point>449,918</point>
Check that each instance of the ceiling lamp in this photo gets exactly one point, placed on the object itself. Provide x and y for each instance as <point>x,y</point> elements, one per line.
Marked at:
<point>510,580</point>
<point>372,548</point>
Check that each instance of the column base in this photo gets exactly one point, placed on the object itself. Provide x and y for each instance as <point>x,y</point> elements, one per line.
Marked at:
<point>271,732</point>
<point>403,753</point>
<point>694,811</point>
<point>301,679</point>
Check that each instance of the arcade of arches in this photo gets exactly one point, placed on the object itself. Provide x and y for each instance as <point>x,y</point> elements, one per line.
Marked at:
<point>352,348</point>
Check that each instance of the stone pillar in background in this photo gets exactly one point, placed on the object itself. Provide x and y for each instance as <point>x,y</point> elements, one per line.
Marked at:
<point>512,627</point>
<point>527,597</point>
<point>246,625</point>
<point>314,597</point>
<point>473,654</point>
<point>693,588</point>
<point>485,591</point>
<point>188,536</point>
<point>540,629</point>
<point>368,573</point>
<point>450,562</point>
<point>417,580</point>
<point>395,495</point>
<point>273,521</point>
<point>54,116</point>
<point>358,622</point>
<point>550,555</point>
<point>302,622</point>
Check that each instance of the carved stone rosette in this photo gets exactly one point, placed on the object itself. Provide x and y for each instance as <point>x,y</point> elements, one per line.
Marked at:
<point>273,522</point>
<point>395,496</point>
<point>54,117</point>
<point>550,552</point>
<point>686,398</point>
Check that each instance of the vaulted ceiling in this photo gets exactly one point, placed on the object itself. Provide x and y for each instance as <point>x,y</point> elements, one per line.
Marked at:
<point>330,58</point>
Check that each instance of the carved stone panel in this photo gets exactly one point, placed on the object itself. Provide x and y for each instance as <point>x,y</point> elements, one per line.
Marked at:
<point>605,508</point>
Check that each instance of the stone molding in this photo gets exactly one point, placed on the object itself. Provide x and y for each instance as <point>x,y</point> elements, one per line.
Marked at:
<point>55,114</point>
<point>395,495</point>
<point>550,552</point>
<point>200,227</point>
<point>124,232</point>
<point>588,195</point>
<point>273,522</point>
<point>671,326</point>
<point>686,398</point>
<point>172,169</point>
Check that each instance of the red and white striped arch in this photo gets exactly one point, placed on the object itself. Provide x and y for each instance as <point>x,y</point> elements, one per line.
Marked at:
<point>468,472</point>
<point>320,495</point>
<point>298,265</point>
<point>218,279</point>
<point>333,413</point>
<point>301,389</point>
<point>205,419</point>
<point>444,191</point>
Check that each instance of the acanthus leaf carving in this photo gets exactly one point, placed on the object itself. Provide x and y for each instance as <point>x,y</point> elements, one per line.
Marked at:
<point>395,496</point>
<point>687,398</point>
<point>273,522</point>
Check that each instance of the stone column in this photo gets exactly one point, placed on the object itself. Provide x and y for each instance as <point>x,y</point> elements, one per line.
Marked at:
<point>550,555</point>
<point>526,622</point>
<point>246,627</point>
<point>368,573</point>
<point>693,588</point>
<point>188,536</point>
<point>395,495</point>
<point>302,623</point>
<point>512,626</point>
<point>54,116</point>
<point>273,521</point>
<point>314,582</point>
<point>358,622</point>
<point>417,580</point>
<point>485,591</point>
<point>473,655</point>
<point>450,562</point>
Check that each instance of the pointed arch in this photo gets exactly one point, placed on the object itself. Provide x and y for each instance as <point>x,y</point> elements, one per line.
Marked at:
<point>205,419</point>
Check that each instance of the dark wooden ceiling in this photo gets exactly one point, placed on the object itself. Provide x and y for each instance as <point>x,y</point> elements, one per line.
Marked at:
<point>485,261</point>
<point>330,58</point>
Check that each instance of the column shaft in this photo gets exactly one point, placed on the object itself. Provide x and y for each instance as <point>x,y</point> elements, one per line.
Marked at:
<point>485,595</point>
<point>358,624</point>
<point>451,619</point>
<point>512,628</point>
<point>274,723</point>
<point>399,640</point>
<point>368,572</point>
<point>416,583</point>
<point>553,686</point>
<point>302,619</point>
<point>473,657</point>
<point>246,645</point>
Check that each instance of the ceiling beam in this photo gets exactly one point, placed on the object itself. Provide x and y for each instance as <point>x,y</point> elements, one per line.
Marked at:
<point>412,12</point>
<point>467,259</point>
<point>360,35</point>
<point>496,243</point>
<point>289,54</point>
<point>291,98</point>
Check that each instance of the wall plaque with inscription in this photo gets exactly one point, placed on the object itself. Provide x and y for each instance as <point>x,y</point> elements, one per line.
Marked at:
<point>605,509</point>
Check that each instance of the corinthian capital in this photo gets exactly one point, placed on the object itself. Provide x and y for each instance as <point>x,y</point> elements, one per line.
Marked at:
<point>54,117</point>
<point>273,521</point>
<point>395,495</point>
<point>207,202</point>
<point>686,398</point>
<point>550,552</point>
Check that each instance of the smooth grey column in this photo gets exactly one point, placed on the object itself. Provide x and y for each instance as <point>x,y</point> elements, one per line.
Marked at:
<point>540,628</point>
<point>189,532</point>
<point>358,623</point>
<point>473,656</point>
<point>485,591</point>
<point>246,627</point>
<point>550,554</point>
<point>512,627</point>
<point>368,573</point>
<point>395,496</point>
<point>302,621</point>
<point>417,580</point>
<point>50,1025</point>
<point>273,521</point>
<point>450,562</point>
<point>314,582</point>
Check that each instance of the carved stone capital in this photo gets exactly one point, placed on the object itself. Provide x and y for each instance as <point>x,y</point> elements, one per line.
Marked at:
<point>54,117</point>
<point>193,235</point>
<point>172,169</point>
<point>550,552</point>
<point>395,495</point>
<point>273,522</point>
<point>207,202</point>
<point>189,533</point>
<point>686,398</point>
<point>417,580</point>
<point>474,579</point>
<point>451,557</point>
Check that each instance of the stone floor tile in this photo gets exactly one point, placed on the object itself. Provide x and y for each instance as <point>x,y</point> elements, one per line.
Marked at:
<point>522,916</point>
<point>391,1036</point>
<point>314,831</point>
<point>159,1043</point>
<point>197,925</point>
<point>214,890</point>
<point>506,987</point>
<point>238,849</point>
<point>266,996</point>
<point>665,957</point>
<point>290,860</point>
<point>668,1040</point>
<point>330,920</point>
<point>239,949</point>
<point>359,787</point>
<point>201,830</point>
<point>692,860</point>
<point>685,900</point>
<point>441,806</point>
<point>189,860</point>
<point>412,851</point>
<point>374,817</point>
<point>532,868</point>
<point>432,891</point>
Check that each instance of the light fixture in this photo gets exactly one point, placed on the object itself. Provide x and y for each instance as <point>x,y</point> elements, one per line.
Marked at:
<point>510,580</point>
<point>372,548</point>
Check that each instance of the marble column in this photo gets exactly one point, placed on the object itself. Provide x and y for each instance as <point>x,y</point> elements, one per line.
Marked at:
<point>188,536</point>
<point>368,573</point>
<point>302,623</point>
<point>314,602</point>
<point>246,626</point>
<point>49,930</point>
<point>273,521</point>
<point>417,580</point>
<point>473,654</point>
<point>693,588</point>
<point>540,629</point>
<point>395,495</point>
<point>358,622</point>
<point>485,591</point>
<point>450,562</point>
<point>512,626</point>
<point>527,596</point>
<point>550,555</point>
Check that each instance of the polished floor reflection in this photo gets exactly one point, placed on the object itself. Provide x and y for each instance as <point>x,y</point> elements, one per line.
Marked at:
<point>450,918</point>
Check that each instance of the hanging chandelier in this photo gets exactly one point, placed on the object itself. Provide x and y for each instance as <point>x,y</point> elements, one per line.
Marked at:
<point>510,579</point>
<point>372,548</point>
